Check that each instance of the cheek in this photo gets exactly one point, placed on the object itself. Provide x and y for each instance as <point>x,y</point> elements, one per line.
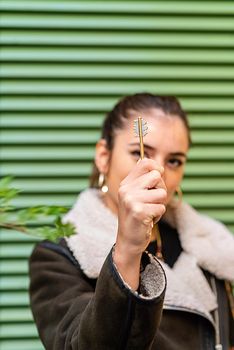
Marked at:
<point>119,169</point>
<point>172,180</point>
<point>122,165</point>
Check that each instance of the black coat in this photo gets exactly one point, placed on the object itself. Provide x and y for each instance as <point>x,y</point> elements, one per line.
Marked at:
<point>73,311</point>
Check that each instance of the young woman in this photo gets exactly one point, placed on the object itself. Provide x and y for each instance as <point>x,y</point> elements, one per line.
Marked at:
<point>103,288</point>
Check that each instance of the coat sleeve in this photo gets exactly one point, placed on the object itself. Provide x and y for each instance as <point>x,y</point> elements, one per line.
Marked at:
<point>70,313</point>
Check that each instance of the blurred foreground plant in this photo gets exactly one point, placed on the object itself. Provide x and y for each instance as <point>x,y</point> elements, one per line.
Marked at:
<point>28,220</point>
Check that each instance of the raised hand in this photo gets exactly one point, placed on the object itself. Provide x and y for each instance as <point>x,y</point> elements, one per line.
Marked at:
<point>142,198</point>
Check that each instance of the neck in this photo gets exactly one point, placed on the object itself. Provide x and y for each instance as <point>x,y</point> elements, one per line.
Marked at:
<point>110,203</point>
<point>153,235</point>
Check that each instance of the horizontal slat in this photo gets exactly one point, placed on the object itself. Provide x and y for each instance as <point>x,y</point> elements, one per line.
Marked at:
<point>215,137</point>
<point>52,120</point>
<point>222,214</point>
<point>31,200</point>
<point>13,267</point>
<point>50,185</point>
<point>64,104</point>
<point>12,331</point>
<point>192,7</point>
<point>198,200</point>
<point>209,185</point>
<point>81,120</point>
<point>211,121</point>
<point>82,87</point>
<point>21,251</point>
<point>210,201</point>
<point>116,71</point>
<point>13,236</point>
<point>26,344</point>
<point>49,153</point>
<point>15,315</point>
<point>104,104</point>
<point>211,153</point>
<point>18,283</point>
<point>49,137</point>
<point>49,169</point>
<point>93,38</point>
<point>64,185</point>
<point>44,54</point>
<point>210,169</point>
<point>80,153</point>
<point>94,120</point>
<point>117,22</point>
<point>11,299</point>
<point>90,137</point>
<point>78,169</point>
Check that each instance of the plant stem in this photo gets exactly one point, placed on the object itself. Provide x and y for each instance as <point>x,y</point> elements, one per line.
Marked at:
<point>14,227</point>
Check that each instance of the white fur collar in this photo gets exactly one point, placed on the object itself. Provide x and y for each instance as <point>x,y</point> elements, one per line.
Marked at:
<point>96,229</point>
<point>206,243</point>
<point>207,240</point>
<point>187,287</point>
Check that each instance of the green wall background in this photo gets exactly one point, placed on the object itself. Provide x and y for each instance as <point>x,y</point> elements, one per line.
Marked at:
<point>64,64</point>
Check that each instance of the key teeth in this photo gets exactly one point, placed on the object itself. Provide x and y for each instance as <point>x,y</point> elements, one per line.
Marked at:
<point>144,127</point>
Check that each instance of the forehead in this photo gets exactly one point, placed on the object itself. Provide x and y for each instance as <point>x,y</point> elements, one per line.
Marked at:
<point>162,129</point>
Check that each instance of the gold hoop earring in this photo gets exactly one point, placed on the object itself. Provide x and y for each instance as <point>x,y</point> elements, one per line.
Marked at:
<point>102,183</point>
<point>179,194</point>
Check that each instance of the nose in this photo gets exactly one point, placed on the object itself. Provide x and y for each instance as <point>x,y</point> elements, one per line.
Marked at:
<point>160,161</point>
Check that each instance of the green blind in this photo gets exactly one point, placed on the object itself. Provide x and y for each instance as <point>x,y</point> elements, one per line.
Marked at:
<point>63,65</point>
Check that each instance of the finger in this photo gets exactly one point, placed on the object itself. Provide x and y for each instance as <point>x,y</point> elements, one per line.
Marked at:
<point>155,211</point>
<point>141,167</point>
<point>150,180</point>
<point>148,213</point>
<point>154,196</point>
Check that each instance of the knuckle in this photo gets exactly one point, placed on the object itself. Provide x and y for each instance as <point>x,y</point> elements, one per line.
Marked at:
<point>136,210</point>
<point>148,220</point>
<point>162,209</point>
<point>155,174</point>
<point>125,197</point>
<point>123,182</point>
<point>159,211</point>
<point>163,194</point>
<point>146,163</point>
<point>128,200</point>
<point>121,191</point>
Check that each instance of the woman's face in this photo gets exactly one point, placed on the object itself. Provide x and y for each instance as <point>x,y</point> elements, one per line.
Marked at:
<point>166,143</point>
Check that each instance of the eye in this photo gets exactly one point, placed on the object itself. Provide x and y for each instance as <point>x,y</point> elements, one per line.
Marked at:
<point>175,163</point>
<point>137,154</point>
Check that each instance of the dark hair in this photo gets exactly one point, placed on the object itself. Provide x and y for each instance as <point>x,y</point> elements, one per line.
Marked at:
<point>139,102</point>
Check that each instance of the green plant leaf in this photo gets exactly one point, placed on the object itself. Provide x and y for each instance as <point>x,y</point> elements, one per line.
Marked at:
<point>29,220</point>
<point>52,233</point>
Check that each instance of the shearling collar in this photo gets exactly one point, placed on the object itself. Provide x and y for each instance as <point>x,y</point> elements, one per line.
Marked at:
<point>206,243</point>
<point>96,228</point>
<point>209,242</point>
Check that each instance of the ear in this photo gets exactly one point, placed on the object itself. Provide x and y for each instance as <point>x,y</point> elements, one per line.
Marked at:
<point>102,156</point>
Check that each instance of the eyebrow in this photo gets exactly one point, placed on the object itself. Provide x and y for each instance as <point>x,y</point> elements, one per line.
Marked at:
<point>178,154</point>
